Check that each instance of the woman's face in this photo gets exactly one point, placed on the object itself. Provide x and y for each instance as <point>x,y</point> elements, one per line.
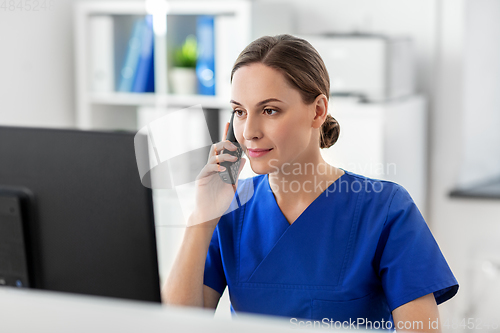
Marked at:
<point>271,123</point>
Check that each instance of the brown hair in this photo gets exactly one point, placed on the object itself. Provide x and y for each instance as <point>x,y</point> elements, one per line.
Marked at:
<point>302,67</point>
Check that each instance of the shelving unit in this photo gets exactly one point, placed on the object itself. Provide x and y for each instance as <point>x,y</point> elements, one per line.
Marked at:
<point>157,100</point>
<point>235,28</point>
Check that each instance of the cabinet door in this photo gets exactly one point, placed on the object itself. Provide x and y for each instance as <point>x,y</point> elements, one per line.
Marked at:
<point>360,147</point>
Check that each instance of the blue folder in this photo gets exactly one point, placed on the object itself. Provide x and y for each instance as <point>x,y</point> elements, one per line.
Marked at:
<point>127,73</point>
<point>205,65</point>
<point>144,76</point>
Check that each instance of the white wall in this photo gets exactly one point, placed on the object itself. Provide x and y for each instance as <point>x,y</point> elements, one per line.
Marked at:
<point>465,228</point>
<point>481,122</point>
<point>36,66</point>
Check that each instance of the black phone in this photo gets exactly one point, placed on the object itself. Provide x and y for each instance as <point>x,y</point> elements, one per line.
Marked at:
<point>230,175</point>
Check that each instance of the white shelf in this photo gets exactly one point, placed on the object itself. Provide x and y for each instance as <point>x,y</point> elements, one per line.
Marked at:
<point>179,7</point>
<point>111,8</point>
<point>158,100</point>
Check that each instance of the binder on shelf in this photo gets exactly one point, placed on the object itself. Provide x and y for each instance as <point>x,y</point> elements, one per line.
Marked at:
<point>228,45</point>
<point>102,75</point>
<point>144,75</point>
<point>205,65</point>
<point>129,68</point>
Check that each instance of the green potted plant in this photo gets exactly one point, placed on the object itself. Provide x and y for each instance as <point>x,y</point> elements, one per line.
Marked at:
<point>183,73</point>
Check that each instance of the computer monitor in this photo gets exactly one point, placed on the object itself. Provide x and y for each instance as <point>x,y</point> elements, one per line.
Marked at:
<point>91,229</point>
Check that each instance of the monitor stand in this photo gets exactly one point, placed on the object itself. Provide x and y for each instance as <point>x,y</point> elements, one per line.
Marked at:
<point>13,251</point>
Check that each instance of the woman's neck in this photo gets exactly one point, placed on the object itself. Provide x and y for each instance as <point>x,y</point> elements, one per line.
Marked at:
<point>297,183</point>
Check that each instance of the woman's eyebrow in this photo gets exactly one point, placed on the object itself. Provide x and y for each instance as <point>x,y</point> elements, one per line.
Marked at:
<point>261,102</point>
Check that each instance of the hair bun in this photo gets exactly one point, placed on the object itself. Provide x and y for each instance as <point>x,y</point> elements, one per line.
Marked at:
<point>330,131</point>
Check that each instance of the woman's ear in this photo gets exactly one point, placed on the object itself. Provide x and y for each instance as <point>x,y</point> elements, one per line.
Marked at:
<point>321,110</point>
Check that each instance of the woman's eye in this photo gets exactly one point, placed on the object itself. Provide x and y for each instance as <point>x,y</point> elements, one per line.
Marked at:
<point>270,111</point>
<point>239,113</point>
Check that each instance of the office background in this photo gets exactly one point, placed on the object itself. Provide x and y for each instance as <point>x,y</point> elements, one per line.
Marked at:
<point>457,45</point>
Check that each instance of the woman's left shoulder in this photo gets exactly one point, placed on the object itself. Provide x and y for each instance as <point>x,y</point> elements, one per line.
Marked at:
<point>373,188</point>
<point>385,201</point>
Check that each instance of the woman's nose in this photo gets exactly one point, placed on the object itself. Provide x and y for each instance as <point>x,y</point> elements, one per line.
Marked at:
<point>252,130</point>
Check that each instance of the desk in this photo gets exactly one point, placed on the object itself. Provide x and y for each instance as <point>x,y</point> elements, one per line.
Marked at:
<point>28,310</point>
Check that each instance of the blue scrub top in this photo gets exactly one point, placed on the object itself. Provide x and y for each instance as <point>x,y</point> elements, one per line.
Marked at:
<point>360,250</point>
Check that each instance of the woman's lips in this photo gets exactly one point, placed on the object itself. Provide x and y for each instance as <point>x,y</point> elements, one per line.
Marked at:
<point>258,152</point>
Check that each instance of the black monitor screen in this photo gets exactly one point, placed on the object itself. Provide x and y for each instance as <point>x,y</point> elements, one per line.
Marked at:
<point>91,229</point>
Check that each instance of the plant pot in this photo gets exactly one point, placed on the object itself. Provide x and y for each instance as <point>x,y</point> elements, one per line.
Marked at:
<point>183,80</point>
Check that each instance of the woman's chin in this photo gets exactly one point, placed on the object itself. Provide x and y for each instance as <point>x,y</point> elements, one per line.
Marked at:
<point>259,168</point>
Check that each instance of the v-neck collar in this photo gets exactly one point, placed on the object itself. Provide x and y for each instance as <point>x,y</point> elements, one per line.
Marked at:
<point>319,198</point>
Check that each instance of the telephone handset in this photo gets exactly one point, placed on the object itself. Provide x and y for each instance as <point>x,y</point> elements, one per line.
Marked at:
<point>230,175</point>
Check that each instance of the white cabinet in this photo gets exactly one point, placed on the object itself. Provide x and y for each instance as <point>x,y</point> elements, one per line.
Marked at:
<point>384,141</point>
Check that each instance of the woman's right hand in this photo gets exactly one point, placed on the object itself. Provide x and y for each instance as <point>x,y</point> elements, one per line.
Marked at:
<point>213,195</point>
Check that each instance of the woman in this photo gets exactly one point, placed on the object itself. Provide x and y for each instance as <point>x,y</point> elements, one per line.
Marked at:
<point>309,241</point>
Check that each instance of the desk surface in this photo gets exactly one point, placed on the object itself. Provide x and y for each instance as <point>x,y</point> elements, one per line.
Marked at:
<point>487,190</point>
<point>28,310</point>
